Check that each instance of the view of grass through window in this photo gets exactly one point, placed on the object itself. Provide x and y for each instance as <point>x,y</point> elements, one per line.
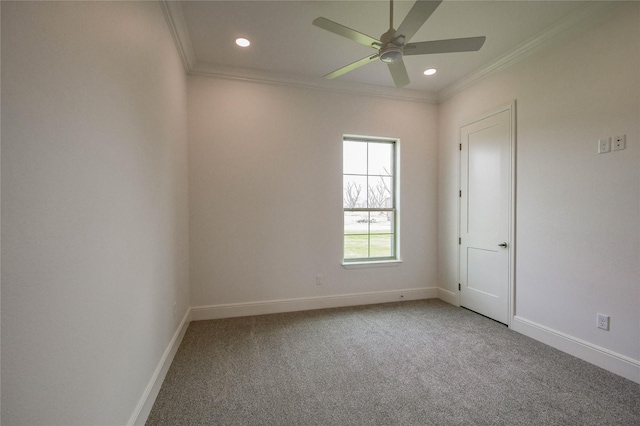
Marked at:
<point>369,199</point>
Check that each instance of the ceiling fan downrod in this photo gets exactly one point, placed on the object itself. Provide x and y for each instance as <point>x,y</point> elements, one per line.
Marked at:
<point>390,52</point>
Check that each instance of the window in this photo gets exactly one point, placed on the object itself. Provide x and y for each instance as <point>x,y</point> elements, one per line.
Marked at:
<point>369,199</point>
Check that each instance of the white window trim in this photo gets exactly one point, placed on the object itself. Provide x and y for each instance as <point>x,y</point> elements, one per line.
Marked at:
<point>380,262</point>
<point>371,264</point>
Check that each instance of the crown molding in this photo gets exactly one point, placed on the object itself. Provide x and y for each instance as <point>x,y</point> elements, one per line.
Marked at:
<point>580,20</point>
<point>174,16</point>
<point>178,27</point>
<point>338,86</point>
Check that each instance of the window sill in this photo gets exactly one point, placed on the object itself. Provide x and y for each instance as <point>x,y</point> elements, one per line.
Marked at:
<point>371,264</point>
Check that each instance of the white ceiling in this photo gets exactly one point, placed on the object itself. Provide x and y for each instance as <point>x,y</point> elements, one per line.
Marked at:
<point>285,45</point>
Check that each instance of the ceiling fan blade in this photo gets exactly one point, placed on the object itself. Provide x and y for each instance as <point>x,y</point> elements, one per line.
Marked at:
<point>351,67</point>
<point>347,32</point>
<point>416,17</point>
<point>399,73</point>
<point>469,44</point>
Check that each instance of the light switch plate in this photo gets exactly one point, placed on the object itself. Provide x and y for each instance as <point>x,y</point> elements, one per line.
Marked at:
<point>604,145</point>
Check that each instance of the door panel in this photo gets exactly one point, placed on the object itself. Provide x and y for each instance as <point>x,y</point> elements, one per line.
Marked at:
<point>483,271</point>
<point>485,206</point>
<point>484,181</point>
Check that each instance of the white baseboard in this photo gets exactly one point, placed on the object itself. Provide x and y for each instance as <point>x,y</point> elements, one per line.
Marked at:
<point>450,297</point>
<point>141,413</point>
<point>308,303</point>
<point>621,365</point>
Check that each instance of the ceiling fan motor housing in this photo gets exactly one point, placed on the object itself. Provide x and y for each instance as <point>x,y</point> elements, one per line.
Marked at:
<point>392,48</point>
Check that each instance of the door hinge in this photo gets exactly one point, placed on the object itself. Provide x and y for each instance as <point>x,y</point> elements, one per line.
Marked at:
<point>459,240</point>
<point>460,193</point>
<point>460,147</point>
<point>459,287</point>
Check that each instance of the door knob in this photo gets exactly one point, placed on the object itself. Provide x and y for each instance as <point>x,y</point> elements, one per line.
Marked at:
<point>503,245</point>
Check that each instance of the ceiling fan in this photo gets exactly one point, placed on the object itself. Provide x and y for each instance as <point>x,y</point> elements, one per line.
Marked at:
<point>394,44</point>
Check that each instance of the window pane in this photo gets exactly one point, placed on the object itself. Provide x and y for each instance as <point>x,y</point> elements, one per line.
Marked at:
<point>381,159</point>
<point>379,192</point>
<point>368,186</point>
<point>356,246</point>
<point>354,158</point>
<point>354,191</point>
<point>356,222</point>
<point>381,222</point>
<point>381,245</point>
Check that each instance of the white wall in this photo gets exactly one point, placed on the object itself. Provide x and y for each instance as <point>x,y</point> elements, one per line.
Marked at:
<point>577,212</point>
<point>94,207</point>
<point>94,197</point>
<point>265,181</point>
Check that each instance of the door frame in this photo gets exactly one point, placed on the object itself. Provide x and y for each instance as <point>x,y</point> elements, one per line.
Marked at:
<point>511,108</point>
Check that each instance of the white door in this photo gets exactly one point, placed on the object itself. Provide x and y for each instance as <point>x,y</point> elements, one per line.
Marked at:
<point>485,215</point>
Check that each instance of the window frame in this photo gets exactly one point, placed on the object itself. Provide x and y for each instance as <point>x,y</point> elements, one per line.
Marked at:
<point>394,259</point>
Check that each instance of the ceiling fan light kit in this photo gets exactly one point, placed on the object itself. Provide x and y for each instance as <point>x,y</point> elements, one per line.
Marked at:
<point>390,53</point>
<point>393,44</point>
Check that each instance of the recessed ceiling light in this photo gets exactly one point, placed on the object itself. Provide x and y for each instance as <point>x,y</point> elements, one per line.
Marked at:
<point>242,42</point>
<point>430,71</point>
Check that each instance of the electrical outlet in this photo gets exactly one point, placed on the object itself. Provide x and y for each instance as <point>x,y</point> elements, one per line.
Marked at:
<point>603,321</point>
<point>318,279</point>
<point>619,142</point>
